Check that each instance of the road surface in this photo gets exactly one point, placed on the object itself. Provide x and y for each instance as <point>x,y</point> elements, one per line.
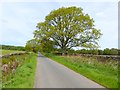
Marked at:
<point>50,74</point>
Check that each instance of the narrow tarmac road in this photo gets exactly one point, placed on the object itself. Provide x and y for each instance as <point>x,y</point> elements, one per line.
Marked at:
<point>50,74</point>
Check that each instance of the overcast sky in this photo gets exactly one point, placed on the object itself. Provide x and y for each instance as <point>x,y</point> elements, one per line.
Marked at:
<point>19,19</point>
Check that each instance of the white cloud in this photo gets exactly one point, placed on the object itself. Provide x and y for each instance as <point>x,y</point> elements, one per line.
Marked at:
<point>100,14</point>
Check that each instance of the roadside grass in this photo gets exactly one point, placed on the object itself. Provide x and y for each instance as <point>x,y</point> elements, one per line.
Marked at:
<point>0,79</point>
<point>104,73</point>
<point>24,74</point>
<point>4,52</point>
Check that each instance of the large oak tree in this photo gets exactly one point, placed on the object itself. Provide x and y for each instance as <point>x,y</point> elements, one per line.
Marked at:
<point>68,27</point>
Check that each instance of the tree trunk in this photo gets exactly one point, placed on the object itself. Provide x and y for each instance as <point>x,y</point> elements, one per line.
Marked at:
<point>63,51</point>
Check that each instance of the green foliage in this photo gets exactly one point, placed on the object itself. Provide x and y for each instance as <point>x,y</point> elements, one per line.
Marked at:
<point>84,51</point>
<point>104,73</point>
<point>48,46</point>
<point>112,51</point>
<point>32,45</point>
<point>67,28</point>
<point>106,51</point>
<point>8,47</point>
<point>100,52</point>
<point>43,45</point>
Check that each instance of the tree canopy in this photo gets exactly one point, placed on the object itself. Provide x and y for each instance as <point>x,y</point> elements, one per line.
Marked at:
<point>68,27</point>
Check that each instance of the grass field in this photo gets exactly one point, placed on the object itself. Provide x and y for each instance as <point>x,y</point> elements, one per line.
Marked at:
<point>4,52</point>
<point>105,73</point>
<point>24,74</point>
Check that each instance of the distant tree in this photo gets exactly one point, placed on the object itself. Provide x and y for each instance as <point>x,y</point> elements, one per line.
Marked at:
<point>118,51</point>
<point>106,51</point>
<point>47,46</point>
<point>32,45</point>
<point>100,52</point>
<point>67,28</point>
<point>94,52</point>
<point>114,51</point>
<point>10,47</point>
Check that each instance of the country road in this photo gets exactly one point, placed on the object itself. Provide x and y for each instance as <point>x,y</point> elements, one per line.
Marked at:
<point>50,74</point>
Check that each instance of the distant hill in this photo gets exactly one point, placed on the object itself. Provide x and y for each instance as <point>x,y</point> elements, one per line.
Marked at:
<point>10,47</point>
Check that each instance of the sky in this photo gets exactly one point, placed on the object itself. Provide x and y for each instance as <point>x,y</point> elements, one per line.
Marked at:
<point>18,20</point>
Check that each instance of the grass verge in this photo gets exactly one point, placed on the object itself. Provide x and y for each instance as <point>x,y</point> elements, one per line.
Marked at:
<point>4,52</point>
<point>105,73</point>
<point>24,75</point>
